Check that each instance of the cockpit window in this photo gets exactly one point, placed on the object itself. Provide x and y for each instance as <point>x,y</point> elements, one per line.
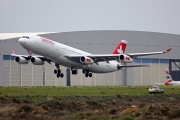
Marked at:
<point>25,37</point>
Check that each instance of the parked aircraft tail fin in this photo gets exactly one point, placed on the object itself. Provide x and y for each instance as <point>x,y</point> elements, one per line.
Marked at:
<point>168,77</point>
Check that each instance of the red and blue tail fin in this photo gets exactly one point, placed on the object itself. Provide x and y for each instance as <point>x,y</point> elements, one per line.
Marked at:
<point>168,78</point>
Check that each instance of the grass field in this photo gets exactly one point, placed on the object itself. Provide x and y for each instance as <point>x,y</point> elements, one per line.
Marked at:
<point>89,102</point>
<point>83,90</point>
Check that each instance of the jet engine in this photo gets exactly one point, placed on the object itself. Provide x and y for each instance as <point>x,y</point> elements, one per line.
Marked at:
<point>125,58</point>
<point>21,60</point>
<point>86,60</point>
<point>37,61</point>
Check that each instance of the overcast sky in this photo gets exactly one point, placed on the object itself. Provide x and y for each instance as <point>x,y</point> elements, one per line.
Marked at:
<point>79,15</point>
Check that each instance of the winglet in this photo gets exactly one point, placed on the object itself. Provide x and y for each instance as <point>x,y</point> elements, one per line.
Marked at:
<point>168,50</point>
<point>13,52</point>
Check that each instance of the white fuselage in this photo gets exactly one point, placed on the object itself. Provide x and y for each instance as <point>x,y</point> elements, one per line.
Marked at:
<point>57,52</point>
<point>175,83</point>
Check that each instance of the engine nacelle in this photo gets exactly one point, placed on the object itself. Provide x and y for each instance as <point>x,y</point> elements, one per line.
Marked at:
<point>86,60</point>
<point>21,60</point>
<point>37,61</point>
<point>125,58</point>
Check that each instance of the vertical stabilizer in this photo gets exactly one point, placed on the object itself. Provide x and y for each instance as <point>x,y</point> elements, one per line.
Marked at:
<point>120,49</point>
<point>168,78</point>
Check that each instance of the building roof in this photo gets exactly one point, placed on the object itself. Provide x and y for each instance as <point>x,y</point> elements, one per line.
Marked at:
<point>4,36</point>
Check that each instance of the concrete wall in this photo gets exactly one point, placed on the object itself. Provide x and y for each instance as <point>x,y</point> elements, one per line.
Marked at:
<point>15,74</point>
<point>150,75</point>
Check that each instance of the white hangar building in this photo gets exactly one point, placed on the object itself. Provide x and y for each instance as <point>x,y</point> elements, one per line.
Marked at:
<point>96,42</point>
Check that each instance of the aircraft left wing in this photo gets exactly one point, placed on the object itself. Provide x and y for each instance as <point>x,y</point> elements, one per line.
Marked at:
<point>135,55</point>
<point>96,58</point>
<point>119,57</point>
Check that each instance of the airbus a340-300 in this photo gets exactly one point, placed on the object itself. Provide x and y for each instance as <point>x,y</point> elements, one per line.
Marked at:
<point>52,51</point>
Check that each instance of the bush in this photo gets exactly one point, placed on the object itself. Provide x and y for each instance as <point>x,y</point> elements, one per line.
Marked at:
<point>26,101</point>
<point>164,110</point>
<point>141,105</point>
<point>175,113</point>
<point>128,117</point>
<point>73,106</point>
<point>118,96</point>
<point>93,104</point>
<point>16,100</point>
<point>45,107</point>
<point>113,111</point>
<point>26,108</point>
<point>102,92</point>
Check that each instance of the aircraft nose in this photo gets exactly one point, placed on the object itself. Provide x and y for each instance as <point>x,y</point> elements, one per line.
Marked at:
<point>21,40</point>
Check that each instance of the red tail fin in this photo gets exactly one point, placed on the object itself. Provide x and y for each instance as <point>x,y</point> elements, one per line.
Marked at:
<point>120,49</point>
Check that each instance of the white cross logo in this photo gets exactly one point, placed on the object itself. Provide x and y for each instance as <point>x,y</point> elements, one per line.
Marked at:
<point>120,50</point>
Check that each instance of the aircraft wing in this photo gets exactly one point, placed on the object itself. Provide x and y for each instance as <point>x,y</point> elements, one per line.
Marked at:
<point>97,57</point>
<point>107,57</point>
<point>135,55</point>
<point>24,56</point>
<point>28,57</point>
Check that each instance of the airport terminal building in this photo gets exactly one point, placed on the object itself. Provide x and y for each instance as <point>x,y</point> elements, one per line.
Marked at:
<point>95,42</point>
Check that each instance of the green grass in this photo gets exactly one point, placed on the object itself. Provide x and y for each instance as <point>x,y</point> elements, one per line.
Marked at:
<point>83,90</point>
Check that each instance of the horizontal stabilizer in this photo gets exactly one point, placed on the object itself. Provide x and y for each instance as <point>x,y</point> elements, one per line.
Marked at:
<point>159,83</point>
<point>126,66</point>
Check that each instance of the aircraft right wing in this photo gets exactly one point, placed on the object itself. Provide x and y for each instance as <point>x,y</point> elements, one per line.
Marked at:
<point>35,59</point>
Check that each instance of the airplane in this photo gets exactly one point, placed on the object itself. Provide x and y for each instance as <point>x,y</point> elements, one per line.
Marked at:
<point>52,51</point>
<point>169,79</point>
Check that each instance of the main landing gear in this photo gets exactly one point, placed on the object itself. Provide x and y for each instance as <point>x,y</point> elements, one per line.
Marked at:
<point>74,71</point>
<point>87,73</point>
<point>57,71</point>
